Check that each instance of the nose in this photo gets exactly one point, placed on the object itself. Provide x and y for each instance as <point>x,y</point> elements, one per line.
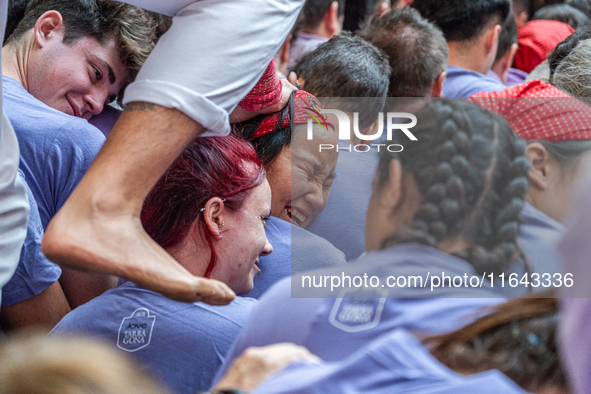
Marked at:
<point>315,197</point>
<point>268,249</point>
<point>94,101</point>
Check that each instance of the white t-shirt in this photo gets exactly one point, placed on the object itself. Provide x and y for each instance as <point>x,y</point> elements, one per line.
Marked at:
<point>14,205</point>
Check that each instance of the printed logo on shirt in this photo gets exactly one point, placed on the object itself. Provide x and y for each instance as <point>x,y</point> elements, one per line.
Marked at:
<point>357,314</point>
<point>135,331</point>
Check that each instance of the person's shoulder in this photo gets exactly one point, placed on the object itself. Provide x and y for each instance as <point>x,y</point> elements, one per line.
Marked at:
<point>461,82</point>
<point>33,119</point>
<point>310,251</point>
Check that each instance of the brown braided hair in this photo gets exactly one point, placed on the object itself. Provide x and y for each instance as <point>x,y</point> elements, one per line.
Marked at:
<point>472,174</point>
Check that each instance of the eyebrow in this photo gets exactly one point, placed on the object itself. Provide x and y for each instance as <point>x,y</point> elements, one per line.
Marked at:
<point>112,78</point>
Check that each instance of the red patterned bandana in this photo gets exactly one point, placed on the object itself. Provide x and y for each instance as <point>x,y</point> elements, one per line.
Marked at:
<point>536,110</point>
<point>266,92</point>
<point>536,40</point>
<point>305,106</point>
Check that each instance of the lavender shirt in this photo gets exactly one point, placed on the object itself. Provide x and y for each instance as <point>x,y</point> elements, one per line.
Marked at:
<point>305,43</point>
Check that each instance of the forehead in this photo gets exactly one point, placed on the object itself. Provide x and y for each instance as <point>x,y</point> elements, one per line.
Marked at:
<point>259,199</point>
<point>308,151</point>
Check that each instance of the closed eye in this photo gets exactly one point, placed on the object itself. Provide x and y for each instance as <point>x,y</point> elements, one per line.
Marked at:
<point>97,73</point>
<point>265,219</point>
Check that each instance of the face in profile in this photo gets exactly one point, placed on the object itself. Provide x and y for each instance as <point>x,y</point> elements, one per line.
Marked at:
<point>79,78</point>
<point>243,241</point>
<point>301,176</point>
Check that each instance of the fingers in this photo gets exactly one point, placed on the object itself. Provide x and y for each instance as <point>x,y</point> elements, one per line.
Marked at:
<point>241,115</point>
<point>293,78</point>
<point>257,364</point>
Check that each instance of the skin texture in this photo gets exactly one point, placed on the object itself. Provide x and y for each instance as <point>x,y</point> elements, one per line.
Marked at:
<point>477,55</point>
<point>551,186</point>
<point>301,176</point>
<point>77,79</point>
<point>99,229</point>
<point>99,226</point>
<point>239,240</point>
<point>257,364</point>
<point>42,312</point>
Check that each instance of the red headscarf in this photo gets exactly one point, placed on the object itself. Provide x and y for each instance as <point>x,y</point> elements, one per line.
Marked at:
<point>536,40</point>
<point>266,92</point>
<point>305,106</point>
<point>536,110</point>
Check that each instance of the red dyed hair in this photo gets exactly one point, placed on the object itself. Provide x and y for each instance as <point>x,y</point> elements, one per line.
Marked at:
<point>224,167</point>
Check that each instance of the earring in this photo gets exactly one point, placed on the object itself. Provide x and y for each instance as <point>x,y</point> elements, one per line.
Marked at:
<point>221,225</point>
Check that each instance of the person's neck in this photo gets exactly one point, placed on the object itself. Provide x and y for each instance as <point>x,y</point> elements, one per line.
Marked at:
<point>15,60</point>
<point>194,256</point>
<point>460,55</point>
<point>321,30</point>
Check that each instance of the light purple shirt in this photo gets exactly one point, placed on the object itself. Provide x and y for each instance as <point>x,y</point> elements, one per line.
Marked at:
<point>460,82</point>
<point>305,43</point>
<point>575,330</point>
<point>514,77</point>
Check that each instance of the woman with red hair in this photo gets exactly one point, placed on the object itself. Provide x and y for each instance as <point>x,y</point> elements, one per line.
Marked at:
<point>209,211</point>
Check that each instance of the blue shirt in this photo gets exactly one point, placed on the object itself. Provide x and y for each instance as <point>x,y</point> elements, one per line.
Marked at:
<point>342,222</point>
<point>56,149</point>
<point>292,244</point>
<point>333,328</point>
<point>460,82</point>
<point>182,344</point>
<point>394,363</point>
<point>34,272</point>
<point>539,235</point>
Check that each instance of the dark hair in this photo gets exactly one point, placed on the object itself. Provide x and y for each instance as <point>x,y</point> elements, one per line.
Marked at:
<point>133,30</point>
<point>416,48</point>
<point>472,173</point>
<point>314,10</point>
<point>518,338</point>
<point>269,146</point>
<point>567,153</point>
<point>582,5</point>
<point>15,13</point>
<point>562,13</point>
<point>520,6</point>
<point>463,20</point>
<point>224,167</point>
<point>347,66</point>
<point>563,49</point>
<point>507,37</point>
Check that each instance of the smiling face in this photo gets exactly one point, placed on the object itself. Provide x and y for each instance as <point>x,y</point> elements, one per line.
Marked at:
<point>78,79</point>
<point>301,176</point>
<point>243,241</point>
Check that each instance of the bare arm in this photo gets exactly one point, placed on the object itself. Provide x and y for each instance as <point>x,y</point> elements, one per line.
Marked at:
<point>258,364</point>
<point>81,287</point>
<point>42,312</point>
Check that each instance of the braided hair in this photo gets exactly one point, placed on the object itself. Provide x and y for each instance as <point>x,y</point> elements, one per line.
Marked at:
<point>472,174</point>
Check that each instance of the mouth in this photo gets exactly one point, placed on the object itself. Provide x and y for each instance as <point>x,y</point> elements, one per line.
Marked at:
<point>75,112</point>
<point>296,216</point>
<point>256,267</point>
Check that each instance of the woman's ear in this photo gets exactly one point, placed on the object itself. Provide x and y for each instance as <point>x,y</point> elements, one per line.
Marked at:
<point>540,161</point>
<point>391,194</point>
<point>47,26</point>
<point>213,214</point>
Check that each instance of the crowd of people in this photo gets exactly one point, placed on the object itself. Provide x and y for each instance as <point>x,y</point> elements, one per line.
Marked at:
<point>228,196</point>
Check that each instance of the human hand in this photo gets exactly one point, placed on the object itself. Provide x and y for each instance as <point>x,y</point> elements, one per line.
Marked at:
<point>241,115</point>
<point>257,364</point>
